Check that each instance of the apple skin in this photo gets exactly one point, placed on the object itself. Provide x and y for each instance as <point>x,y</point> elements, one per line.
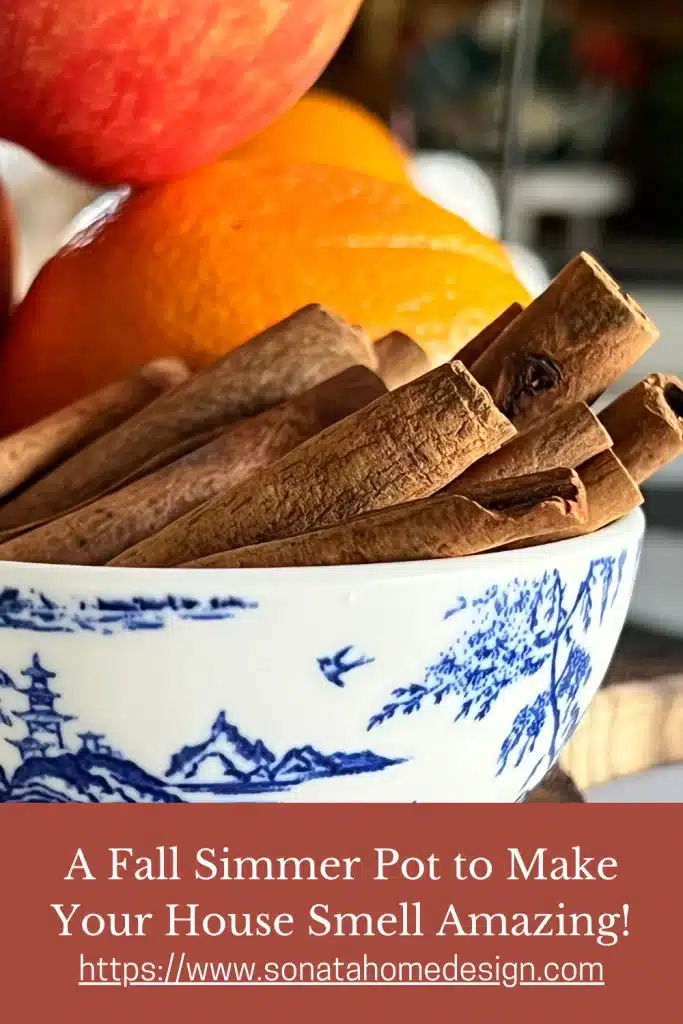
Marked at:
<point>137,91</point>
<point>6,259</point>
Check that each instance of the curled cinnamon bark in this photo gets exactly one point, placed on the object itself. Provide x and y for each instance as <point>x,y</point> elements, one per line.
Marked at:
<point>646,425</point>
<point>400,359</point>
<point>483,341</point>
<point>37,448</point>
<point>567,346</point>
<point>405,445</point>
<point>611,493</point>
<point>443,526</point>
<point>567,439</point>
<point>288,358</point>
<point>102,529</point>
<point>164,458</point>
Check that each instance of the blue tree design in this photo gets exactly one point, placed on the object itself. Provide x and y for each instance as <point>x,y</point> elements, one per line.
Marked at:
<point>5,683</point>
<point>518,631</point>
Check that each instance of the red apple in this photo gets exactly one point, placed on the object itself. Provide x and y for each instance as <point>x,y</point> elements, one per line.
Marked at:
<point>135,91</point>
<point>6,259</point>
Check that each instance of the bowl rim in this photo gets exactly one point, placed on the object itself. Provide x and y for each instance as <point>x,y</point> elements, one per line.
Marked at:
<point>624,531</point>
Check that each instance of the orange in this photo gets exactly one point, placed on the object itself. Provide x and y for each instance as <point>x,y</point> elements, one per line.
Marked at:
<point>198,266</point>
<point>325,129</point>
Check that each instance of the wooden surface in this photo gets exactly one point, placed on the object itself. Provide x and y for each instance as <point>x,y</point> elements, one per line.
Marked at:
<point>629,728</point>
<point>634,724</point>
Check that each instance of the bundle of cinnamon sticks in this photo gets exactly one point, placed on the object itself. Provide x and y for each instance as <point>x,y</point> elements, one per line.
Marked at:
<point>309,445</point>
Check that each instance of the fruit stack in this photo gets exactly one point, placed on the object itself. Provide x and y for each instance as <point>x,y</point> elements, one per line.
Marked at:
<point>248,196</point>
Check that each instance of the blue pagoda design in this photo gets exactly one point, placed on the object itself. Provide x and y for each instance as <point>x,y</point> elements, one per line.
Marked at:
<point>44,724</point>
<point>226,763</point>
<point>95,743</point>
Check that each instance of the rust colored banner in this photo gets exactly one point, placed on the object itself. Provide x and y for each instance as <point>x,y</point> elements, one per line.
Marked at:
<point>306,911</point>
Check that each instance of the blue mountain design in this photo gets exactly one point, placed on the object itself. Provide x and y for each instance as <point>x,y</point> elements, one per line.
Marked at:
<point>35,612</point>
<point>225,744</point>
<point>85,778</point>
<point>226,763</point>
<point>229,762</point>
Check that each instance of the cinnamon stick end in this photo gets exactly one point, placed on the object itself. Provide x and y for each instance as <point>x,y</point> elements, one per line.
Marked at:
<point>163,374</point>
<point>400,359</point>
<point>672,391</point>
<point>521,492</point>
<point>585,260</point>
<point>646,425</point>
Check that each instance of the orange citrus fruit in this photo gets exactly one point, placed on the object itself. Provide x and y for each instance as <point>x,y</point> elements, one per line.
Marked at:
<point>198,266</point>
<point>325,129</point>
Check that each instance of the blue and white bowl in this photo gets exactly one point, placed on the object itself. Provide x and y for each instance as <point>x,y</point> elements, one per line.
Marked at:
<point>454,680</point>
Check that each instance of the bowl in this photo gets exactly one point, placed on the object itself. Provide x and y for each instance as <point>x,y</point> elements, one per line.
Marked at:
<point>458,680</point>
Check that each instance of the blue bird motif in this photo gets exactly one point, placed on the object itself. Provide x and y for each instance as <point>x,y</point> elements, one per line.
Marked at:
<point>55,768</point>
<point>334,668</point>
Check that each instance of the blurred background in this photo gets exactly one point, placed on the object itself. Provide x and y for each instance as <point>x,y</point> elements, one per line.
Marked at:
<point>555,126</point>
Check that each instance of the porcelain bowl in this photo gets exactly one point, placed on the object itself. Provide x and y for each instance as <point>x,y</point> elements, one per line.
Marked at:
<point>458,680</point>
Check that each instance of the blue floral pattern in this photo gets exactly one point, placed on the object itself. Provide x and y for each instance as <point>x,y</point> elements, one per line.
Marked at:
<point>527,628</point>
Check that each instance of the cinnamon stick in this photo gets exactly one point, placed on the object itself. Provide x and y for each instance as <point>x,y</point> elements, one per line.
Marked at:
<point>511,492</point>
<point>50,440</point>
<point>171,454</point>
<point>566,439</point>
<point>444,526</point>
<point>646,425</point>
<point>306,348</point>
<point>400,359</point>
<point>469,354</point>
<point>102,529</point>
<point>325,403</point>
<point>567,346</point>
<point>405,445</point>
<point>611,493</point>
<point>165,458</point>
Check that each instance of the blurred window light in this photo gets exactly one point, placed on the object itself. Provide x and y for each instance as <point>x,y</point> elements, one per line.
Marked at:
<point>459,185</point>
